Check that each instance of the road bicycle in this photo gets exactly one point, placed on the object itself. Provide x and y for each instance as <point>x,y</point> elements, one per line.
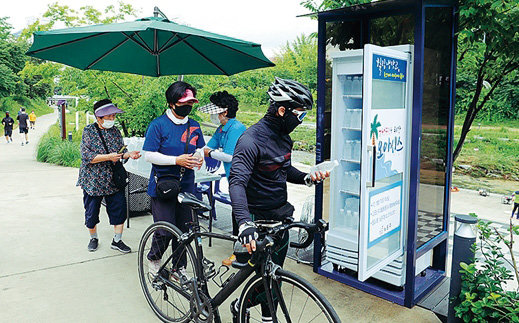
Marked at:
<point>178,290</point>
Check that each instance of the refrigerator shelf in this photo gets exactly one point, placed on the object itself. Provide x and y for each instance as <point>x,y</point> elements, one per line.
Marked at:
<point>352,129</point>
<point>350,161</point>
<point>350,193</point>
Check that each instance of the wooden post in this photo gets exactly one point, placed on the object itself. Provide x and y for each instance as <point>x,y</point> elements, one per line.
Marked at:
<point>63,122</point>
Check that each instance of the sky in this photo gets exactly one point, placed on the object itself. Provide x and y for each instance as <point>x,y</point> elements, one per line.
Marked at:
<point>270,23</point>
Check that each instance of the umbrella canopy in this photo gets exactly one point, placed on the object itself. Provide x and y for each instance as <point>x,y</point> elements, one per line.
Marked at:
<point>151,46</point>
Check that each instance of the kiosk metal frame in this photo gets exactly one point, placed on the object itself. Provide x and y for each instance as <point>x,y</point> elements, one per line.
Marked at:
<point>416,287</point>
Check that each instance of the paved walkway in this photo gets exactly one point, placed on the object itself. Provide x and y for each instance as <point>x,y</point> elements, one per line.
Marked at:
<point>47,274</point>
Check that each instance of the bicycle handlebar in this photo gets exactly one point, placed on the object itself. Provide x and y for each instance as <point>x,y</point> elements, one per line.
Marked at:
<point>311,228</point>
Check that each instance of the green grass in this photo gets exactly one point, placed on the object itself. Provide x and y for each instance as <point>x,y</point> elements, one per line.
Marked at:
<point>13,103</point>
<point>491,150</point>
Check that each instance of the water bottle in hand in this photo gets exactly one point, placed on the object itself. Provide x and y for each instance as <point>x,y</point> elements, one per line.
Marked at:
<point>323,167</point>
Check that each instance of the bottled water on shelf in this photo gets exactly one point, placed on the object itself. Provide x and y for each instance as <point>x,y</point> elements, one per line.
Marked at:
<point>355,220</point>
<point>347,118</point>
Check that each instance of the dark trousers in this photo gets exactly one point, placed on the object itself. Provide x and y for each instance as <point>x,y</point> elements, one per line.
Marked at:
<point>279,255</point>
<point>516,206</point>
<point>175,213</point>
<point>115,207</point>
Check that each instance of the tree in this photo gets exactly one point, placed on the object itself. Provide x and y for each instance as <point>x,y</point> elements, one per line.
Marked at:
<point>488,55</point>
<point>12,60</point>
<point>488,50</point>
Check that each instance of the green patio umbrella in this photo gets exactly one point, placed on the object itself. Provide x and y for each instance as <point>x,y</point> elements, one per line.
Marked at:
<point>151,46</point>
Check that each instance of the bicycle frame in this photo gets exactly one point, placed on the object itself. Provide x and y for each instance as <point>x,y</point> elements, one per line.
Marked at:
<point>239,278</point>
<point>265,269</point>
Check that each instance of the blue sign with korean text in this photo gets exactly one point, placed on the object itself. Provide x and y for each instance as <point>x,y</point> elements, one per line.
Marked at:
<point>389,69</point>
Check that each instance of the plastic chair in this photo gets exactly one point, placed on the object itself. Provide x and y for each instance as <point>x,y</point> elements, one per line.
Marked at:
<point>219,195</point>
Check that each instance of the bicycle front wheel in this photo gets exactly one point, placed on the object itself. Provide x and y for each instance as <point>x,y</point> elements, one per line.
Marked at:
<point>294,300</point>
<point>165,272</point>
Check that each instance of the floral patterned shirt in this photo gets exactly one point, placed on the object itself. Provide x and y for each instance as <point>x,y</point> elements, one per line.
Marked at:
<point>96,179</point>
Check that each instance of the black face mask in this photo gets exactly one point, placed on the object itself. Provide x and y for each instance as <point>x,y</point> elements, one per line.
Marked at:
<point>290,122</point>
<point>182,110</point>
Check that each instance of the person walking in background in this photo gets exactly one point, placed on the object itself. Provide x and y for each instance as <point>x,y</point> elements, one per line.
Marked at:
<point>222,109</point>
<point>23,125</point>
<point>32,119</point>
<point>8,123</point>
<point>96,175</point>
<point>515,196</point>
<point>171,140</point>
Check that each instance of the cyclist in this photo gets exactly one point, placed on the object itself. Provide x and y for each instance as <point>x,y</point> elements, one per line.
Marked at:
<point>261,167</point>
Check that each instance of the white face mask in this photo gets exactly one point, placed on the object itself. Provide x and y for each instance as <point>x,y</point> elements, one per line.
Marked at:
<point>215,119</point>
<point>107,124</point>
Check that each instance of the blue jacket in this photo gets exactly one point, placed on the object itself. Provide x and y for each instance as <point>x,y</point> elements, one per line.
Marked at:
<point>226,137</point>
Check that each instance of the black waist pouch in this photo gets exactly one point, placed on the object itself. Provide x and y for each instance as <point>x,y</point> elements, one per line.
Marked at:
<point>167,188</point>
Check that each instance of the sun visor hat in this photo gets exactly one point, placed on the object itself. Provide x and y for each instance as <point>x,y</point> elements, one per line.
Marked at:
<point>107,109</point>
<point>211,108</point>
<point>188,96</point>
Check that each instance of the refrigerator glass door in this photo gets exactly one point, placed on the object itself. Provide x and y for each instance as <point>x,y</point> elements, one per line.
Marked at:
<point>384,129</point>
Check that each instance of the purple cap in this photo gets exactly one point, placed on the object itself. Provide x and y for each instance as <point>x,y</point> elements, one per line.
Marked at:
<point>107,109</point>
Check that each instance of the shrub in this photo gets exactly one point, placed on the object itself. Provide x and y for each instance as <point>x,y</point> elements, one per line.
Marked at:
<point>484,297</point>
<point>65,153</point>
<point>51,149</point>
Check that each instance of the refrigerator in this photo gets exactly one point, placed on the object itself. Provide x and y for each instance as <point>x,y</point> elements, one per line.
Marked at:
<point>371,126</point>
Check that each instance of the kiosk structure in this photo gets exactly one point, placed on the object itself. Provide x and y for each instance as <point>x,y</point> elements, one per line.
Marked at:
<point>385,106</point>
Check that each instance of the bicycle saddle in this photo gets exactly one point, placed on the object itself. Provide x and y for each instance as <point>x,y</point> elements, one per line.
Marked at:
<point>190,200</point>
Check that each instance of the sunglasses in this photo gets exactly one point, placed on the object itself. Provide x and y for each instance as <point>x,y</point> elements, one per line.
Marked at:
<point>299,114</point>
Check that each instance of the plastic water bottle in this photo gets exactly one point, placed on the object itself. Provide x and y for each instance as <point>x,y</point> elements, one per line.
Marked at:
<point>348,220</point>
<point>326,166</point>
<point>199,153</point>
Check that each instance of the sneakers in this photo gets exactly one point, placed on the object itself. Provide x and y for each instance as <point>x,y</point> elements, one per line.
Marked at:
<point>26,142</point>
<point>153,267</point>
<point>228,261</point>
<point>92,245</point>
<point>179,275</point>
<point>120,246</point>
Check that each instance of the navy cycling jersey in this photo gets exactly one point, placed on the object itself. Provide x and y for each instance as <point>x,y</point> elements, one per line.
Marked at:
<point>261,167</point>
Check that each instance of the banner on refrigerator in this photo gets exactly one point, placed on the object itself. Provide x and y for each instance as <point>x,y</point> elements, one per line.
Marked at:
<point>385,212</point>
<point>388,68</point>
<point>388,129</point>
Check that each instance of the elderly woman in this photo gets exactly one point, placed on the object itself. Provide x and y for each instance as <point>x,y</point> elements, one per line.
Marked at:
<point>171,140</point>
<point>96,174</point>
<point>222,109</point>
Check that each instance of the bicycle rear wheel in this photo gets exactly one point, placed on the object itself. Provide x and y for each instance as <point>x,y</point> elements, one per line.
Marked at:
<point>296,300</point>
<point>168,290</point>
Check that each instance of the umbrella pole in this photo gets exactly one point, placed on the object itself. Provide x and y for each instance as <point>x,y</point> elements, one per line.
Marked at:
<point>157,12</point>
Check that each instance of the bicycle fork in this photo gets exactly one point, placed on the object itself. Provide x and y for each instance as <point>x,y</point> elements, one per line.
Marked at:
<point>273,291</point>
